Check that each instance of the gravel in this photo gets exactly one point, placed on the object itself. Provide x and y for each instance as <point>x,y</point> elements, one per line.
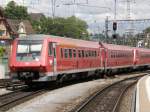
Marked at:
<point>4,91</point>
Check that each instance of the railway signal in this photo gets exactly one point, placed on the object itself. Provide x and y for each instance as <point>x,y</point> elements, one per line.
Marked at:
<point>114,26</point>
<point>114,36</point>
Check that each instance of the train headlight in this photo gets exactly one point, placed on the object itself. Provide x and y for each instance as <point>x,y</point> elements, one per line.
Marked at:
<point>36,59</point>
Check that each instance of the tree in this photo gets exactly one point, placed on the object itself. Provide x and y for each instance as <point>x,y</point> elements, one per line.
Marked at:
<point>13,11</point>
<point>70,27</point>
<point>147,30</point>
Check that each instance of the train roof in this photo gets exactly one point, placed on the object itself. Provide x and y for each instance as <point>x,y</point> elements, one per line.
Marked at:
<point>121,47</point>
<point>143,49</point>
<point>63,40</point>
<point>79,43</point>
<point>117,47</point>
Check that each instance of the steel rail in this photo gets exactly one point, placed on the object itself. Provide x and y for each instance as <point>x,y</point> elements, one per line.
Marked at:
<point>121,96</point>
<point>11,99</point>
<point>81,107</point>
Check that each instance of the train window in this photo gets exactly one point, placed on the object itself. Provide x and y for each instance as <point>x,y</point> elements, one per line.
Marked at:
<point>89,53</point>
<point>98,53</point>
<point>86,52</point>
<point>112,54</point>
<point>95,54</point>
<point>61,53</point>
<point>92,54</point>
<point>83,53</point>
<point>54,52</point>
<point>79,53</point>
<point>66,53</point>
<point>50,50</point>
<point>74,53</point>
<point>70,53</point>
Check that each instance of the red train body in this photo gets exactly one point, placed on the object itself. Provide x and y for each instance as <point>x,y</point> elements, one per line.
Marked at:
<point>51,58</point>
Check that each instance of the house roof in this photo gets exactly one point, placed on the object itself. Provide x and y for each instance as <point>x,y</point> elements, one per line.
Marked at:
<point>14,25</point>
<point>36,16</point>
<point>28,27</point>
<point>5,21</point>
<point>1,12</point>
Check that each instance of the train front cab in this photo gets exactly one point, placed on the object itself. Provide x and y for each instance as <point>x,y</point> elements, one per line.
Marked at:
<point>27,60</point>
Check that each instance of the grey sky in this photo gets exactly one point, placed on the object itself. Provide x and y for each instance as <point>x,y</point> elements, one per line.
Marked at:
<point>95,16</point>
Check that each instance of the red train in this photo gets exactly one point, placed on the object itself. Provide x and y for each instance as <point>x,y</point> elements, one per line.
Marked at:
<point>51,58</point>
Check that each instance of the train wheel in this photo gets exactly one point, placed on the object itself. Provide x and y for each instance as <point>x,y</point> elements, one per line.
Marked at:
<point>109,72</point>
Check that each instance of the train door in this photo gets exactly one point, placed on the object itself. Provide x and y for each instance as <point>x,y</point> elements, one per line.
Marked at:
<point>54,58</point>
<point>103,58</point>
<point>136,57</point>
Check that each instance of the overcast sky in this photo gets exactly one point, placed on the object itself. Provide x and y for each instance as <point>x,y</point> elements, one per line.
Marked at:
<point>95,13</point>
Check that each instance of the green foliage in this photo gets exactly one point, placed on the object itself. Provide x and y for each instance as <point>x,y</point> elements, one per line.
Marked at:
<point>98,37</point>
<point>70,27</point>
<point>2,50</point>
<point>147,30</point>
<point>13,11</point>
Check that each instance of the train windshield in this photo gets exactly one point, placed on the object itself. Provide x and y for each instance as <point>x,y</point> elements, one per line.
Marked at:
<point>28,50</point>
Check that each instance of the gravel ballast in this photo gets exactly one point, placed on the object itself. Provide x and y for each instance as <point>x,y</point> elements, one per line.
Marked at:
<point>66,98</point>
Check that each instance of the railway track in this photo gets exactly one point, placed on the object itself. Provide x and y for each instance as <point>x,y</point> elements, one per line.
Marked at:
<point>4,82</point>
<point>7,83</point>
<point>12,99</point>
<point>107,99</point>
